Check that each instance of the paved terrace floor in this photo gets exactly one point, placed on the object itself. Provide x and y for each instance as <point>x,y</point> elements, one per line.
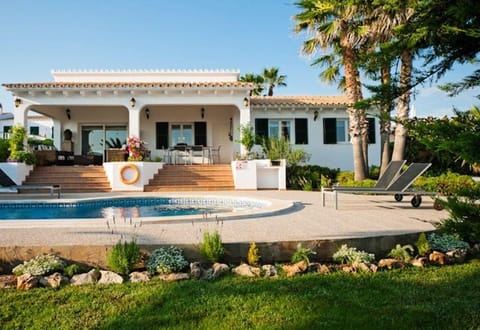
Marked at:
<point>358,216</point>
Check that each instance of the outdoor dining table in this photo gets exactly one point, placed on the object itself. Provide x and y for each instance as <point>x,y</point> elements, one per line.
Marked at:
<point>187,152</point>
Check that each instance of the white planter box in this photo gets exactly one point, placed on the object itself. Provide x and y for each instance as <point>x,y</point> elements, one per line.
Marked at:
<point>259,174</point>
<point>16,171</point>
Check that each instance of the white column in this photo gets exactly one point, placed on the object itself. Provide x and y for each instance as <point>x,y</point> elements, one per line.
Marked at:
<point>57,134</point>
<point>134,121</point>
<point>20,115</point>
<point>244,119</point>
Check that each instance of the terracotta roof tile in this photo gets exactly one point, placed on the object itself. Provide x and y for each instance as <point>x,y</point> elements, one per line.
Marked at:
<point>298,100</point>
<point>83,85</point>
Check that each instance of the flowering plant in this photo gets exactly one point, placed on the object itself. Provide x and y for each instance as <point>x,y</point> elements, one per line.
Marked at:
<point>136,149</point>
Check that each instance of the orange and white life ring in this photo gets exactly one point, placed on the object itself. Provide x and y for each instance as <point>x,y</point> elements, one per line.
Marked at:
<point>136,174</point>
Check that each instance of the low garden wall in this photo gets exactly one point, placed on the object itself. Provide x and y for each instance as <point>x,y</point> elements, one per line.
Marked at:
<point>270,252</point>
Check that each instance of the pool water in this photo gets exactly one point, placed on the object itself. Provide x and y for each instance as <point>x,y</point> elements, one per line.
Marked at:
<point>120,208</point>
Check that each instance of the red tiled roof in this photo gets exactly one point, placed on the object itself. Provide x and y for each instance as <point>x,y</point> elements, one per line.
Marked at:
<point>83,85</point>
<point>298,100</point>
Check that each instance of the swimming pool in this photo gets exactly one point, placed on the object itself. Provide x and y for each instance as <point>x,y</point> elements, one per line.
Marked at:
<point>127,207</point>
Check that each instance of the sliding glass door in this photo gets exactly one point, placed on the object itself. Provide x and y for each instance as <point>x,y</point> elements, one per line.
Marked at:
<point>96,139</point>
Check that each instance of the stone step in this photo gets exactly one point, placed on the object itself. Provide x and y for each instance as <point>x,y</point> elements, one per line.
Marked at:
<point>71,178</point>
<point>192,177</point>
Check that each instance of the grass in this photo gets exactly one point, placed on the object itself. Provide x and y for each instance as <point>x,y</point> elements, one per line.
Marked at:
<point>430,298</point>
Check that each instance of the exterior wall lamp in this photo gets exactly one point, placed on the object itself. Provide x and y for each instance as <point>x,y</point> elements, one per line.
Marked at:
<point>315,115</point>
<point>147,113</point>
<point>245,102</point>
<point>67,111</point>
<point>202,113</point>
<point>17,102</point>
<point>133,102</point>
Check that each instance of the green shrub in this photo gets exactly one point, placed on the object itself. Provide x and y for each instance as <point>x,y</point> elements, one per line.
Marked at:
<point>446,184</point>
<point>253,255</point>
<point>464,215</point>
<point>123,256</point>
<point>40,265</point>
<point>71,270</point>
<point>422,245</point>
<point>302,254</point>
<point>280,148</point>
<point>310,177</point>
<point>212,247</point>
<point>345,178</point>
<point>4,152</point>
<point>37,142</point>
<point>446,242</point>
<point>346,255</point>
<point>166,260</point>
<point>401,252</point>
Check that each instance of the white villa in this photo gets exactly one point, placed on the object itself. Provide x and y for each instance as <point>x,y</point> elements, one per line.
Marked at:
<point>198,107</point>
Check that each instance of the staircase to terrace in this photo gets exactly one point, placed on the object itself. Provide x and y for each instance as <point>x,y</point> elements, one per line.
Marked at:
<point>192,178</point>
<point>72,179</point>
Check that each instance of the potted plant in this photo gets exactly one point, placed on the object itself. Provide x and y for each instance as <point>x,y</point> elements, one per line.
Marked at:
<point>17,149</point>
<point>247,138</point>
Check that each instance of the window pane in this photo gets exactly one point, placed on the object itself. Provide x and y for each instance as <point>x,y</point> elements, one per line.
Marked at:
<point>273,130</point>
<point>188,134</point>
<point>34,130</point>
<point>286,129</point>
<point>176,134</point>
<point>340,131</point>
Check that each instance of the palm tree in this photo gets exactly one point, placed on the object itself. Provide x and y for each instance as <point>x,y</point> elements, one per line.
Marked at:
<point>382,21</point>
<point>257,80</point>
<point>338,27</point>
<point>272,79</point>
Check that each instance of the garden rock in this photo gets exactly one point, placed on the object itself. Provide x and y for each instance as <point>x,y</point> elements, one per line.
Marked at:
<point>296,268</point>
<point>438,258</point>
<point>391,263</point>
<point>107,277</point>
<point>27,281</point>
<point>219,269</point>
<point>419,262</point>
<point>269,271</point>
<point>54,281</point>
<point>457,256</point>
<point>174,277</point>
<point>136,277</point>
<point>247,270</point>
<point>8,281</point>
<point>86,278</point>
<point>475,249</point>
<point>198,272</point>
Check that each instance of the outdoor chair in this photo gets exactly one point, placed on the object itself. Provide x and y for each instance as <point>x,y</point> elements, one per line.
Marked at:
<point>182,151</point>
<point>398,187</point>
<point>215,155</point>
<point>198,151</point>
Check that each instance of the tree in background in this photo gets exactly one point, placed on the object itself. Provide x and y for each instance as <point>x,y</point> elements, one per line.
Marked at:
<point>272,79</point>
<point>257,80</point>
<point>338,29</point>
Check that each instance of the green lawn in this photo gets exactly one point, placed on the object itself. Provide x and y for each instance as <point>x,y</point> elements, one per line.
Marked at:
<point>430,298</point>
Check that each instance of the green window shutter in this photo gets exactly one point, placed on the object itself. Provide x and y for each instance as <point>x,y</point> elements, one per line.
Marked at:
<point>301,131</point>
<point>200,133</point>
<point>329,130</point>
<point>261,128</point>
<point>162,135</point>
<point>371,130</point>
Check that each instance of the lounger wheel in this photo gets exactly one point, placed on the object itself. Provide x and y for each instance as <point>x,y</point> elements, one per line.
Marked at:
<point>416,200</point>
<point>398,197</point>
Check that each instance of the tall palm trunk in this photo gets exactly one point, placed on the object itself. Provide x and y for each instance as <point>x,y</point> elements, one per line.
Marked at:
<point>403,106</point>
<point>385,109</point>
<point>356,117</point>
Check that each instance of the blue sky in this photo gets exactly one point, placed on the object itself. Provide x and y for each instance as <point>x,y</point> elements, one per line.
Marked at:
<point>38,36</point>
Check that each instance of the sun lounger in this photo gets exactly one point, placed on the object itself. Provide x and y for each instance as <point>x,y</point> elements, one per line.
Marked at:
<point>398,187</point>
<point>52,188</point>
